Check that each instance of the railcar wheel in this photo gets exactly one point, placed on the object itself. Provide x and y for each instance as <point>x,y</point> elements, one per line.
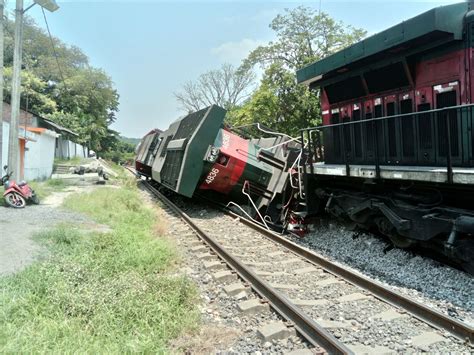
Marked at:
<point>15,200</point>
<point>386,228</point>
<point>400,241</point>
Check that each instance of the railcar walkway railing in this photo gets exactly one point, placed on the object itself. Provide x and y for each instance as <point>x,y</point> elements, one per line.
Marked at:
<point>438,137</point>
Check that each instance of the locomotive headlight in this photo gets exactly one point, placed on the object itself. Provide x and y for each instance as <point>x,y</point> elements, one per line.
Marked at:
<point>213,154</point>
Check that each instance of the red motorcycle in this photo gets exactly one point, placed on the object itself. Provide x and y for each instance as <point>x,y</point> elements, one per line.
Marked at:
<point>16,195</point>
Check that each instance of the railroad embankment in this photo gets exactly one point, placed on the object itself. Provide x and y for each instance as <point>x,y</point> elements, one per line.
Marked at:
<point>104,280</point>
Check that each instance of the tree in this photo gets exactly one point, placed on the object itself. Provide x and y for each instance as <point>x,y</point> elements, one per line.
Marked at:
<point>59,83</point>
<point>302,37</point>
<point>279,103</point>
<point>34,96</point>
<point>226,87</point>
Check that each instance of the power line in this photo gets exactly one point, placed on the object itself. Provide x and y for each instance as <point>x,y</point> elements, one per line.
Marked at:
<point>54,48</point>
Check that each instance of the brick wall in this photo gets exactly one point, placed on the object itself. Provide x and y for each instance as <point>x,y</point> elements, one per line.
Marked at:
<point>25,117</point>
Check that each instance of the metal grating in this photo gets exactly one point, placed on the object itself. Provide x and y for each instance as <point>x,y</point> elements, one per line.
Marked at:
<point>408,129</point>
<point>346,130</point>
<point>165,146</point>
<point>357,134</point>
<point>171,168</point>
<point>391,131</point>
<point>189,124</point>
<point>425,127</point>
<point>447,99</point>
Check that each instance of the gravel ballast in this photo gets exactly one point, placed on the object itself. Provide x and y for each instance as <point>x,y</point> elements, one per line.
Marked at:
<point>449,290</point>
<point>357,323</point>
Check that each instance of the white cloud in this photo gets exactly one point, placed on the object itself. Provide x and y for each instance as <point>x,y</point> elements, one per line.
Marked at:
<point>235,52</point>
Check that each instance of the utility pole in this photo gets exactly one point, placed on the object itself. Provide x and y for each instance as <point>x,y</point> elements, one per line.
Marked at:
<point>13,144</point>
<point>2,8</point>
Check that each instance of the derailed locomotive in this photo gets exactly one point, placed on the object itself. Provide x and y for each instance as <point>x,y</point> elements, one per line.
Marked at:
<point>199,155</point>
<point>395,152</point>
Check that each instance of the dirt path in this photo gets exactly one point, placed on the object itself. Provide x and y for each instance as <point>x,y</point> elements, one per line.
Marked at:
<point>18,227</point>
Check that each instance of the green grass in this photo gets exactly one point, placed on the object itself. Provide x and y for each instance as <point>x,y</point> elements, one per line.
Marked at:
<point>46,188</point>
<point>99,293</point>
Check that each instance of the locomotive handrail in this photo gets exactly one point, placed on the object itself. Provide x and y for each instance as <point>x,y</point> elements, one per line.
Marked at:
<point>413,115</point>
<point>361,121</point>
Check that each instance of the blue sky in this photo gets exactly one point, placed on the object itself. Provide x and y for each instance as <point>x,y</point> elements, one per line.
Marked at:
<point>150,48</point>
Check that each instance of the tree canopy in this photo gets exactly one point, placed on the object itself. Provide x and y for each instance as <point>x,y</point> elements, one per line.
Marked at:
<point>226,87</point>
<point>59,83</point>
<point>303,36</point>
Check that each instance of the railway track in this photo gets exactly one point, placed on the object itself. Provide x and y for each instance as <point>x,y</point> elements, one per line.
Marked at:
<point>285,271</point>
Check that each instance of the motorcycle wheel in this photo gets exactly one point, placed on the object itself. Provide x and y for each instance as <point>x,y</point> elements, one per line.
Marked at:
<point>15,200</point>
<point>35,199</point>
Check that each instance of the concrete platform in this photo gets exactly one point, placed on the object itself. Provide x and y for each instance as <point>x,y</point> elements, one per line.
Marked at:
<point>395,172</point>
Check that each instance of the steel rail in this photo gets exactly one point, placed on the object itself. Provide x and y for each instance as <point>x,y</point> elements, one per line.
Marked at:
<point>418,310</point>
<point>428,315</point>
<point>307,327</point>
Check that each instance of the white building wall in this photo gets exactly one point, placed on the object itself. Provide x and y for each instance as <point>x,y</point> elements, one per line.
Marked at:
<point>72,149</point>
<point>61,150</point>
<point>67,149</point>
<point>80,151</point>
<point>39,157</point>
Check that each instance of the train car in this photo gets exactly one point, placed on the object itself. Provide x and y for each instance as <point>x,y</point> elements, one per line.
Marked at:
<point>395,152</point>
<point>146,152</point>
<point>198,155</point>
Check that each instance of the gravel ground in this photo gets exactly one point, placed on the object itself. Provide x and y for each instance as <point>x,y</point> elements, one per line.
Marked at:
<point>18,248</point>
<point>449,290</point>
<point>220,310</point>
<point>357,323</point>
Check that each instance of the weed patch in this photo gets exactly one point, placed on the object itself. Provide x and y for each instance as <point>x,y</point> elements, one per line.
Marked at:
<point>46,188</point>
<point>99,292</point>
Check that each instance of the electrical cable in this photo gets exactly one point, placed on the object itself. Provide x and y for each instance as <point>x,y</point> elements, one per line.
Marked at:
<point>54,48</point>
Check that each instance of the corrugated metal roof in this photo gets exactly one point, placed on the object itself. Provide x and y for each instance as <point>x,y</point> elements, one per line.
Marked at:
<point>58,127</point>
<point>448,19</point>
